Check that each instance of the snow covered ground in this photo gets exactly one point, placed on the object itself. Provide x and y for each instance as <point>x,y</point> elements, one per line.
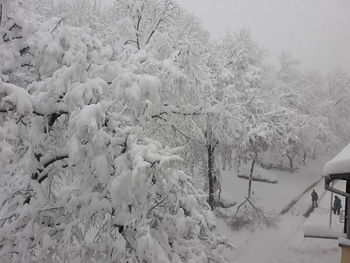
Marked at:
<point>283,243</point>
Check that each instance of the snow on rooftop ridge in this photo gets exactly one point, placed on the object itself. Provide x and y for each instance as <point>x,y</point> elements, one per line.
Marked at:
<point>339,164</point>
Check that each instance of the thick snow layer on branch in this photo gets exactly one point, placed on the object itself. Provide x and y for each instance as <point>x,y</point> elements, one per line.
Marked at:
<point>133,89</point>
<point>148,249</point>
<point>106,52</point>
<point>101,166</point>
<point>339,164</point>
<point>36,129</point>
<point>18,97</point>
<point>87,121</point>
<point>83,93</point>
<point>126,89</point>
<point>6,152</point>
<point>129,186</point>
<point>150,88</point>
<point>81,119</point>
<point>74,150</point>
<point>106,72</point>
<point>46,105</point>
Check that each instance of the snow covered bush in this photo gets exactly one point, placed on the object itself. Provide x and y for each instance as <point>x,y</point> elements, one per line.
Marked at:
<point>81,182</point>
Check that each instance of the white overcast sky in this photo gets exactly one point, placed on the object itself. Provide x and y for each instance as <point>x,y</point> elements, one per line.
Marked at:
<point>316,32</point>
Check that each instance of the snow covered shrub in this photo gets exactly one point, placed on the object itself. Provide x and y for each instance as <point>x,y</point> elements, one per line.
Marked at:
<point>81,182</point>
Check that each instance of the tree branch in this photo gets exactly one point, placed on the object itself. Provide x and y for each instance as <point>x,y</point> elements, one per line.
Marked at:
<point>180,132</point>
<point>10,29</point>
<point>339,100</point>
<point>24,50</point>
<point>36,174</point>
<point>59,22</point>
<point>130,40</point>
<point>162,200</point>
<point>0,13</point>
<point>12,38</point>
<point>178,112</point>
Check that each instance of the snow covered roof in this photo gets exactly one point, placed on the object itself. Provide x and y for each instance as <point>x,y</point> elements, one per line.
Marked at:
<point>340,164</point>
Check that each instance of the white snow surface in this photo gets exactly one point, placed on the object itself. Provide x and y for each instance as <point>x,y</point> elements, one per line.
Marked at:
<point>16,96</point>
<point>284,242</point>
<point>340,163</point>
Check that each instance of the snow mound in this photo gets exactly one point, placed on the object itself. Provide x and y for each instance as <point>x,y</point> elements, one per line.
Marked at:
<point>227,200</point>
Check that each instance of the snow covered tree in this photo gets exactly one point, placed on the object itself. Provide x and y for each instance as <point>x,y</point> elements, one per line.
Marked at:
<point>234,77</point>
<point>173,46</point>
<point>335,105</point>
<point>81,181</point>
<point>119,22</point>
<point>288,71</point>
<point>296,103</point>
<point>239,80</point>
<point>257,136</point>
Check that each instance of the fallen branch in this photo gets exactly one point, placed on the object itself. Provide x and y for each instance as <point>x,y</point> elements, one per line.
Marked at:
<point>258,179</point>
<point>258,211</point>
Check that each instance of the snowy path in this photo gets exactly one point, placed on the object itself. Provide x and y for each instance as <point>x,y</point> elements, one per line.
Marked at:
<point>295,200</point>
<point>285,242</point>
<point>269,244</point>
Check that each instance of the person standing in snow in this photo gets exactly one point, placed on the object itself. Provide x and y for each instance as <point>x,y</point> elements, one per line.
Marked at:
<point>314,197</point>
<point>337,205</point>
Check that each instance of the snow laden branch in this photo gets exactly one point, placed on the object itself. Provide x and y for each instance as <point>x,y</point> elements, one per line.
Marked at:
<point>92,134</point>
<point>41,174</point>
<point>82,180</point>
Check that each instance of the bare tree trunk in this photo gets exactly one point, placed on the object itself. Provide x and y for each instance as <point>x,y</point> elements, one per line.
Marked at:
<point>314,153</point>
<point>0,13</point>
<point>210,149</point>
<point>192,168</point>
<point>291,163</point>
<point>251,177</point>
<point>223,161</point>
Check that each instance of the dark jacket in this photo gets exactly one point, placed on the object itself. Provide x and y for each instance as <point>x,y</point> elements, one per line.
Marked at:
<point>337,203</point>
<point>314,196</point>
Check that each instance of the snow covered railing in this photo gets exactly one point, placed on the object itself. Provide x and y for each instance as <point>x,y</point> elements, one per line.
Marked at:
<point>333,177</point>
<point>321,232</point>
